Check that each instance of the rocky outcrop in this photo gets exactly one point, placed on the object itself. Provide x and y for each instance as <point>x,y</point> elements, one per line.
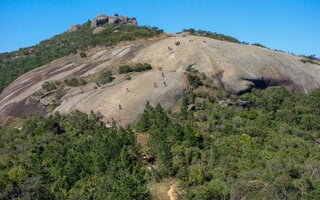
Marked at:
<point>74,28</point>
<point>124,19</point>
<point>235,68</point>
<point>98,30</point>
<point>133,21</point>
<point>99,20</point>
<point>94,23</point>
<point>102,19</point>
<point>113,20</point>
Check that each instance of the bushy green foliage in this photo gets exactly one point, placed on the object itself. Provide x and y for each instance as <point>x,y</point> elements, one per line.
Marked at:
<point>209,34</point>
<point>266,150</point>
<point>194,80</point>
<point>310,59</point>
<point>16,63</point>
<point>74,82</point>
<point>139,67</point>
<point>49,86</point>
<point>124,69</point>
<point>70,157</point>
<point>259,45</point>
<point>83,54</point>
<point>105,77</point>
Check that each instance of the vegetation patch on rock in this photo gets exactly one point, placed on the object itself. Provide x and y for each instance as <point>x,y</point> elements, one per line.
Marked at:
<point>139,67</point>
<point>16,63</point>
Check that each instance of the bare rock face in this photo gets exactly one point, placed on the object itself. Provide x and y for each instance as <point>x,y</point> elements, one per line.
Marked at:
<point>133,21</point>
<point>99,20</point>
<point>124,19</point>
<point>103,19</point>
<point>94,23</point>
<point>75,28</point>
<point>98,30</point>
<point>113,20</point>
<point>235,68</point>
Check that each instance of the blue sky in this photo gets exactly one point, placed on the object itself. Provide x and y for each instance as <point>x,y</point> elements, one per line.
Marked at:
<point>288,25</point>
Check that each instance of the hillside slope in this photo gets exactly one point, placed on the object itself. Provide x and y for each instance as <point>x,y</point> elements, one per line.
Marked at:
<point>235,68</point>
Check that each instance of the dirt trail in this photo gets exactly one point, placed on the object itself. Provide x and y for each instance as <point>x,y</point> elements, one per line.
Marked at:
<point>171,193</point>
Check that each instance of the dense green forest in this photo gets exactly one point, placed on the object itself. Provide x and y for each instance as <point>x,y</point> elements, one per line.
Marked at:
<point>70,157</point>
<point>16,63</point>
<point>217,148</point>
<point>265,150</point>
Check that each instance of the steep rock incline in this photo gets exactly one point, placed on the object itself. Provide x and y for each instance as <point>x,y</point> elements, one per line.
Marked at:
<point>237,67</point>
<point>233,67</point>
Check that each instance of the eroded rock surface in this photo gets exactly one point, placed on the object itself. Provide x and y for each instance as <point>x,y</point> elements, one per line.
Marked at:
<point>102,19</point>
<point>233,67</point>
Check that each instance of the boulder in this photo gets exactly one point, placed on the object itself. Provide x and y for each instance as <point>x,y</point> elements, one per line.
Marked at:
<point>31,51</point>
<point>124,19</point>
<point>133,21</point>
<point>74,28</point>
<point>101,19</point>
<point>98,30</point>
<point>94,23</point>
<point>113,20</point>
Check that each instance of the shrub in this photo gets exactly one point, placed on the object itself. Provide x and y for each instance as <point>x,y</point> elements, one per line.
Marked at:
<point>72,82</point>
<point>124,69</point>
<point>194,80</point>
<point>83,54</point>
<point>209,34</point>
<point>105,77</point>
<point>17,174</point>
<point>49,86</point>
<point>82,81</point>
<point>135,68</point>
<point>259,45</point>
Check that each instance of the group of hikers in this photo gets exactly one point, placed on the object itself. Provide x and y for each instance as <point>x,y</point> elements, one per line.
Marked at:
<point>154,84</point>
<point>164,83</point>
<point>177,43</point>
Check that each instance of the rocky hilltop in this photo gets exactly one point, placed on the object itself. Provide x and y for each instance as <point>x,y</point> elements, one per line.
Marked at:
<point>103,19</point>
<point>233,67</point>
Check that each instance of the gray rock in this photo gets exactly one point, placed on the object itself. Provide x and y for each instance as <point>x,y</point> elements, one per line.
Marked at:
<point>240,103</point>
<point>113,20</point>
<point>94,23</point>
<point>98,30</point>
<point>133,21</point>
<point>191,107</point>
<point>101,19</point>
<point>75,28</point>
<point>124,19</point>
